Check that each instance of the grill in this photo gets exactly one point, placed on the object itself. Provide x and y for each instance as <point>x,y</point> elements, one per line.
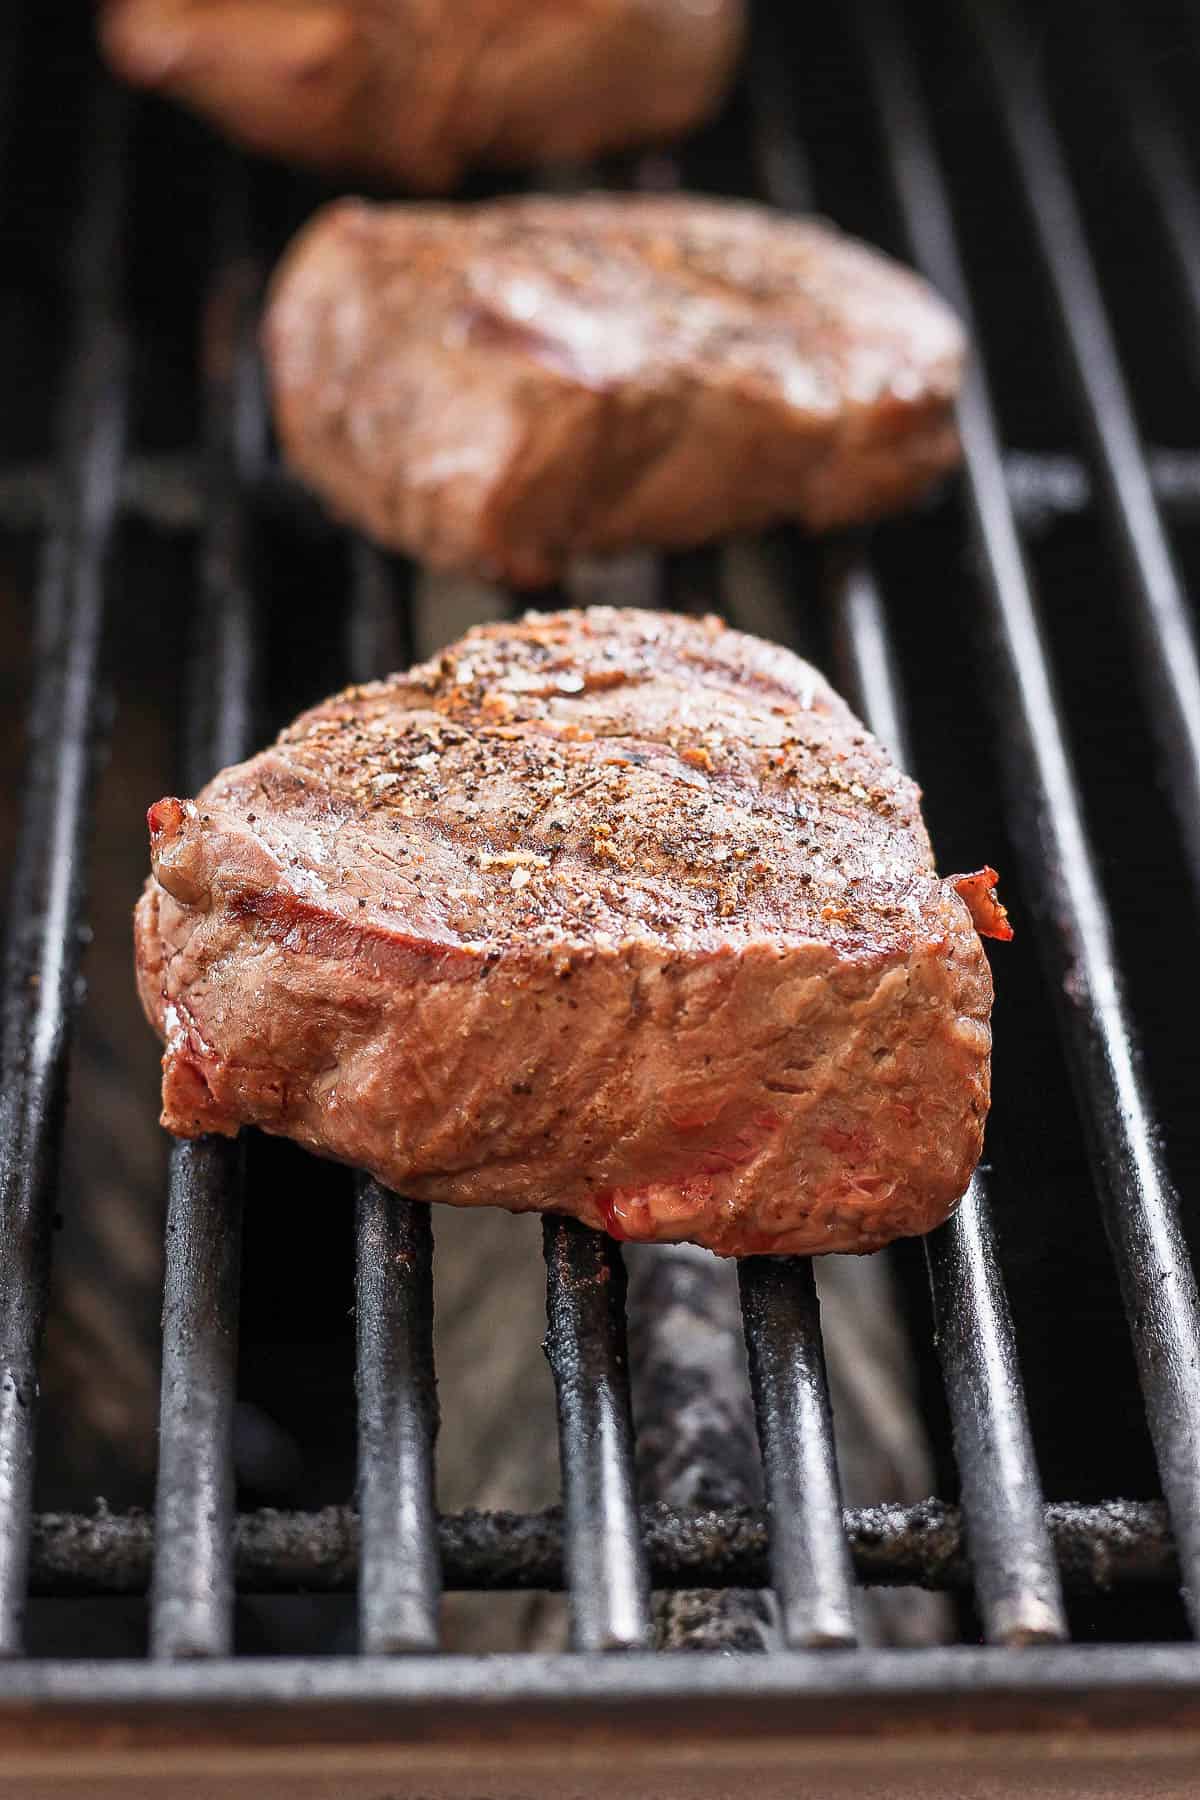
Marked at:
<point>1051,193</point>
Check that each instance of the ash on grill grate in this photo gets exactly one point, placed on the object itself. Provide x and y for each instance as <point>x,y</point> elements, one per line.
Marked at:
<point>695,1426</point>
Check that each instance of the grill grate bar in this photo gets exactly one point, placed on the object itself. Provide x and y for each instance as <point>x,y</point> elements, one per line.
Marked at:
<point>165,490</point>
<point>191,1606</point>
<point>1140,1209</point>
<point>48,878</point>
<point>607,1580</point>
<point>1152,138</point>
<point>779,154</point>
<point>1013,1564</point>
<point>1020,1595</point>
<point>399,1583</point>
<point>1161,612</point>
<point>379,637</point>
<point>191,1595</point>
<point>810,1562</point>
<point>1115,1543</point>
<point>400,1576</point>
<point>1017,1582</point>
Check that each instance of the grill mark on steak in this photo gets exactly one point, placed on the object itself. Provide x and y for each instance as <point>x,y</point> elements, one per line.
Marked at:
<point>793,1056</point>
<point>705,852</point>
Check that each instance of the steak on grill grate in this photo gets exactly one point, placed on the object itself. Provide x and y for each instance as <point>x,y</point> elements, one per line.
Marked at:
<point>499,386</point>
<point>614,913</point>
<point>419,93</point>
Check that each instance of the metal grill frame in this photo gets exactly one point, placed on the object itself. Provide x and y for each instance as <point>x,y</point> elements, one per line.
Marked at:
<point>1014,1551</point>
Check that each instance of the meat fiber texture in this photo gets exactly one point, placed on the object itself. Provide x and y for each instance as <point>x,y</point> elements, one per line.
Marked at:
<point>609,913</point>
<point>495,388</point>
<point>416,92</point>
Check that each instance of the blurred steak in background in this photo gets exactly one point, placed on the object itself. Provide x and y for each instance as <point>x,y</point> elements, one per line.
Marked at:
<point>414,94</point>
<point>504,387</point>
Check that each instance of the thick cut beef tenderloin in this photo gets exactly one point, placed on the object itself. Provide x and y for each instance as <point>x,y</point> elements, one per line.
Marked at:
<point>418,91</point>
<point>499,387</point>
<point>611,913</point>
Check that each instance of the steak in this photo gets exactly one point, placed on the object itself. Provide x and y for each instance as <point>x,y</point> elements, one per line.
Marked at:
<point>609,913</point>
<point>500,386</point>
<point>417,91</point>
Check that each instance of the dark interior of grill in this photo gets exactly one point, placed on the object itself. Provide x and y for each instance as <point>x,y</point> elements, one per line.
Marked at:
<point>171,598</point>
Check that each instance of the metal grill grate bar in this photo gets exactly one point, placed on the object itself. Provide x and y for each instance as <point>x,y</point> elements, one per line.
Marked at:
<point>1140,1208</point>
<point>191,1608</point>
<point>379,635</point>
<point>48,878</point>
<point>191,1595</point>
<point>810,1562</point>
<point>607,1580</point>
<point>400,1577</point>
<point>164,490</point>
<point>1017,1582</point>
<point>1153,139</point>
<point>1161,612</point>
<point>399,1582</point>
<point>1020,1595</point>
<point>1019,1592</point>
<point>1115,1543</point>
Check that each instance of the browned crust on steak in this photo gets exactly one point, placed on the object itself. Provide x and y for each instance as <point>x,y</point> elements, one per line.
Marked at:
<point>501,386</point>
<point>613,913</point>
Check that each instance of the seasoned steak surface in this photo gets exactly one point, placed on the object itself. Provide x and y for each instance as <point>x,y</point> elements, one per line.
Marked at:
<point>613,913</point>
<point>417,91</point>
<point>498,387</point>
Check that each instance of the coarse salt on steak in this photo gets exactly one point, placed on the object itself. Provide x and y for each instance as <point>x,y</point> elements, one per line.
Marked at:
<point>611,913</point>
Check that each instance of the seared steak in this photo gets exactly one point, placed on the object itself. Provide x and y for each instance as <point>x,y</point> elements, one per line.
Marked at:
<point>419,90</point>
<point>611,913</point>
<point>499,386</point>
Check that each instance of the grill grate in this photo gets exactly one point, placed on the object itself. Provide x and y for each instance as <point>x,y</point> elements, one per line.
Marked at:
<point>191,1600</point>
<point>1014,1570</point>
<point>602,1554</point>
<point>1013,1552</point>
<point>1013,1563</point>
<point>1141,1212</point>
<point>809,1565</point>
<point>47,893</point>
